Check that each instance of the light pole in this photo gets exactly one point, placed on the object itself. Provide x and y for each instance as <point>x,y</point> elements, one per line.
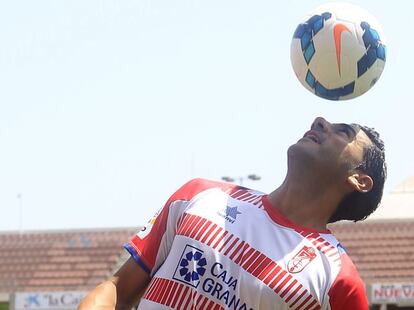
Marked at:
<point>20,199</point>
<point>253,177</point>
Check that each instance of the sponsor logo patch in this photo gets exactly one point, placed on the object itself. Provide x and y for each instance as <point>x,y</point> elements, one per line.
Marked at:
<point>147,228</point>
<point>210,277</point>
<point>191,266</point>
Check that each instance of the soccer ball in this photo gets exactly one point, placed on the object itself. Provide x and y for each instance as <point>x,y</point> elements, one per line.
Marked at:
<point>338,51</point>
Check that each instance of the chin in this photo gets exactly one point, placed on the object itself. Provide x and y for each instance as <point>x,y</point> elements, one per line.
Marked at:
<point>299,152</point>
<point>298,149</point>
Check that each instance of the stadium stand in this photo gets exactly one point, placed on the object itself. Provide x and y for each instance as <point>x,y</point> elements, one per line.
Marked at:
<point>382,250</point>
<point>59,260</point>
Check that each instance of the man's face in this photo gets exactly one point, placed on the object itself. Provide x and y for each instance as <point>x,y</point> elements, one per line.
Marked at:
<point>337,147</point>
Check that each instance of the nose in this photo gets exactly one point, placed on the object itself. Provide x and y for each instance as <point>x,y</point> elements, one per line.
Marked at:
<point>320,124</point>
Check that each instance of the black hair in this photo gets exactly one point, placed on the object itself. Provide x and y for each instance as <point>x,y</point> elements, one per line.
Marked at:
<point>358,206</point>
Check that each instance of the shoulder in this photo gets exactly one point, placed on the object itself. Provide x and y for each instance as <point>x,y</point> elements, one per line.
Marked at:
<point>348,289</point>
<point>198,185</point>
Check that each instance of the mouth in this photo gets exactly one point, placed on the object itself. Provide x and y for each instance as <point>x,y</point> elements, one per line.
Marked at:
<point>311,135</point>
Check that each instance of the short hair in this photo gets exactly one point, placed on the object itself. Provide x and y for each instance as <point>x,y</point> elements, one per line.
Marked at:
<point>358,206</point>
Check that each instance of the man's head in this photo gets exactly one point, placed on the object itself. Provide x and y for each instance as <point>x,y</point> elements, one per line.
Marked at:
<point>347,156</point>
<point>359,205</point>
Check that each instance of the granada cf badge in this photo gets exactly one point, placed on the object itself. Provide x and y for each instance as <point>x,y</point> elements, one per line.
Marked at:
<point>301,259</point>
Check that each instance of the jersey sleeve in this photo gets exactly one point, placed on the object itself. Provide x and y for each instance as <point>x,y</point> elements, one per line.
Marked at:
<point>348,290</point>
<point>151,246</point>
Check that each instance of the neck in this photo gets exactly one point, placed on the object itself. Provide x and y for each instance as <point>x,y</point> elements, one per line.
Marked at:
<point>306,201</point>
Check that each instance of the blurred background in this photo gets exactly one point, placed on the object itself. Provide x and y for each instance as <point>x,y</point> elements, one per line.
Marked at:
<point>107,107</point>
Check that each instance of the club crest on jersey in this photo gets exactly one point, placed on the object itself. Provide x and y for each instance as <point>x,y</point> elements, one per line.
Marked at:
<point>191,266</point>
<point>301,259</point>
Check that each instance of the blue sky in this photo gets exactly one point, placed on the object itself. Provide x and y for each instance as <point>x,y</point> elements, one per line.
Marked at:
<point>106,107</point>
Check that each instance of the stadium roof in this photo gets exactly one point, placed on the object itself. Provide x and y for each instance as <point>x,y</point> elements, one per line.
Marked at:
<point>399,204</point>
<point>382,250</point>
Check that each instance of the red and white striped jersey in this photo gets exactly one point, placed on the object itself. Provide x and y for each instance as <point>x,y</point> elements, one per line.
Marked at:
<point>221,246</point>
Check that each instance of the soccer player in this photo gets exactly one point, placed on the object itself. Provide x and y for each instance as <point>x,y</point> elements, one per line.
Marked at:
<point>217,246</point>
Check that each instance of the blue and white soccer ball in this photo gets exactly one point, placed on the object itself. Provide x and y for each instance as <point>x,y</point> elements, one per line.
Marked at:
<point>338,52</point>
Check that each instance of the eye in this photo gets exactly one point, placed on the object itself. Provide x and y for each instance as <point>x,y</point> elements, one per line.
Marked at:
<point>345,132</point>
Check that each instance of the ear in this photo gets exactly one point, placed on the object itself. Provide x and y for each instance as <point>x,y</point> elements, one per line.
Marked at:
<point>360,182</point>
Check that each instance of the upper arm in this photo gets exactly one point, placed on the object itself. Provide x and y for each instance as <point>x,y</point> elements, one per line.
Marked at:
<point>120,291</point>
<point>130,281</point>
<point>149,248</point>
